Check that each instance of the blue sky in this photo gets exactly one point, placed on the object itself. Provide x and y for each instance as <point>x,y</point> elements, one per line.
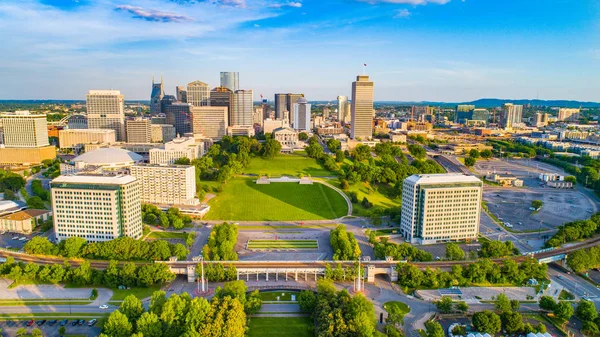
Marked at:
<point>436,50</point>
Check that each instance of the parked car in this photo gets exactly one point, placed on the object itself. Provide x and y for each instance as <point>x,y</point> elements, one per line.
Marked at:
<point>81,321</point>
<point>64,322</point>
<point>74,323</point>
<point>52,322</point>
<point>103,306</point>
<point>30,323</point>
<point>40,322</point>
<point>92,322</point>
<point>22,239</point>
<point>15,238</point>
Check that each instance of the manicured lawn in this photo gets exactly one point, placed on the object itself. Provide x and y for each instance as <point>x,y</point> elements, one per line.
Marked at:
<point>272,295</point>
<point>283,244</point>
<point>167,235</point>
<point>43,302</point>
<point>287,164</point>
<point>375,193</point>
<point>243,199</point>
<point>389,231</point>
<point>402,306</point>
<point>140,293</point>
<point>565,295</point>
<point>281,327</point>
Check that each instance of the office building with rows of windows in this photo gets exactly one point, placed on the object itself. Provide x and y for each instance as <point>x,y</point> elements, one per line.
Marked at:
<point>96,208</point>
<point>440,208</point>
<point>167,184</point>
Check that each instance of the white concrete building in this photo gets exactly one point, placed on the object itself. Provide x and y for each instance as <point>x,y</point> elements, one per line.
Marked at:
<point>241,130</point>
<point>77,138</point>
<point>102,160</point>
<point>106,110</point>
<point>440,208</point>
<point>24,130</point>
<point>302,115</point>
<point>269,125</point>
<point>242,108</point>
<point>175,149</point>
<point>96,208</point>
<point>287,137</point>
<point>167,184</point>
<point>362,108</point>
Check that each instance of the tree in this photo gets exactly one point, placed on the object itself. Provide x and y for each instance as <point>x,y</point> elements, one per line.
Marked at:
<point>157,301</point>
<point>586,310</point>
<point>271,148</point>
<point>547,303</point>
<point>36,202</point>
<point>564,310</point>
<point>334,145</point>
<point>339,156</point>
<point>444,305</point>
<point>515,305</point>
<point>486,154</point>
<point>21,332</point>
<point>149,325</point>
<point>302,136</point>
<point>487,321</point>
<point>454,252</point>
<point>62,330</point>
<point>469,161</point>
<point>36,333</point>
<point>537,204</point>
<point>541,328</point>
<point>73,246</point>
<point>417,151</point>
<point>502,304</point>
<point>307,301</point>
<point>571,179</point>
<point>117,325</point>
<point>40,245</point>
<point>132,308</point>
<point>434,329</point>
<point>462,307</point>
<point>182,161</point>
<point>474,153</point>
<point>512,321</point>
<point>590,328</point>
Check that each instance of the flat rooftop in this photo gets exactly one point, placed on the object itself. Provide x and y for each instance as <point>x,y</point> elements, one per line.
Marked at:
<point>443,178</point>
<point>95,179</point>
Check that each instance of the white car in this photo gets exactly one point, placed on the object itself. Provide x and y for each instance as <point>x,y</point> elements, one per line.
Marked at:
<point>23,239</point>
<point>103,306</point>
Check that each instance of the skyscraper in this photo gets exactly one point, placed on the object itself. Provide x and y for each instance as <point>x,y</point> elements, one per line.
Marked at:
<point>342,102</point>
<point>165,101</point>
<point>222,96</point>
<point>198,94</point>
<point>362,108</point>
<point>285,102</point>
<point>242,108</point>
<point>230,80</point>
<point>157,94</point>
<point>23,130</point>
<point>511,114</point>
<point>210,121</point>
<point>181,94</point>
<point>139,130</point>
<point>302,115</point>
<point>180,116</point>
<point>105,110</point>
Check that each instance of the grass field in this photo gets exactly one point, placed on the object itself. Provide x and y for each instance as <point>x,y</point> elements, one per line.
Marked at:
<point>283,244</point>
<point>141,293</point>
<point>272,295</point>
<point>404,308</point>
<point>43,302</point>
<point>242,199</point>
<point>287,164</point>
<point>167,235</point>
<point>376,194</point>
<point>281,327</point>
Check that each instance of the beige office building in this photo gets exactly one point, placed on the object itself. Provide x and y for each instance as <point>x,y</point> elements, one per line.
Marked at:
<point>175,149</point>
<point>23,130</point>
<point>241,130</point>
<point>162,133</point>
<point>242,108</point>
<point>105,110</point>
<point>568,114</point>
<point>167,184</point>
<point>76,138</point>
<point>440,208</point>
<point>362,108</point>
<point>139,130</point>
<point>210,121</point>
<point>198,94</point>
<point>96,208</point>
<point>26,156</point>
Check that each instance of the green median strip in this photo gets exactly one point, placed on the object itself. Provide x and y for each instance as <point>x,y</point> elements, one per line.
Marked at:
<point>36,303</point>
<point>8,317</point>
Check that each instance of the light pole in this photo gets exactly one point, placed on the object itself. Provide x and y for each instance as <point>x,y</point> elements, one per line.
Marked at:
<point>202,267</point>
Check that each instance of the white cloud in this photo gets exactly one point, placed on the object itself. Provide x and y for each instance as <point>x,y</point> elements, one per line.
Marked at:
<point>294,4</point>
<point>402,14</point>
<point>408,2</point>
<point>153,15</point>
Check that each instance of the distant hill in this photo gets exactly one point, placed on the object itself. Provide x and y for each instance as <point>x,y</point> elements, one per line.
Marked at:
<point>496,102</point>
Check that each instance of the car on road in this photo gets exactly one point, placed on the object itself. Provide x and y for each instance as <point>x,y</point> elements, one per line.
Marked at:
<point>22,239</point>
<point>519,223</point>
<point>15,238</point>
<point>92,322</point>
<point>40,322</point>
<point>52,322</point>
<point>532,208</point>
<point>560,277</point>
<point>103,306</point>
<point>30,323</point>
<point>64,322</point>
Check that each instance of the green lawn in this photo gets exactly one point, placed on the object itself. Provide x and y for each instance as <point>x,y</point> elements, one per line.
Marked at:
<point>287,164</point>
<point>141,293</point>
<point>402,306</point>
<point>167,235</point>
<point>565,295</point>
<point>375,193</point>
<point>272,295</point>
<point>43,302</point>
<point>281,327</point>
<point>283,244</point>
<point>243,199</point>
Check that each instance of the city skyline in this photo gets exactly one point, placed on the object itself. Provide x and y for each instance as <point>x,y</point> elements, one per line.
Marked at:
<point>416,50</point>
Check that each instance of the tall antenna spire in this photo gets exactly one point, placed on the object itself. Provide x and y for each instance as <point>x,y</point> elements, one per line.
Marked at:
<point>161,80</point>
<point>152,79</point>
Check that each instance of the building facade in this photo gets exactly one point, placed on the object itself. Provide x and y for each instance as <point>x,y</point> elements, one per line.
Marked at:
<point>302,115</point>
<point>139,130</point>
<point>285,102</point>
<point>342,101</point>
<point>158,91</point>
<point>210,121</point>
<point>177,148</point>
<point>362,108</point>
<point>23,221</point>
<point>440,208</point>
<point>167,184</point>
<point>568,114</point>
<point>242,108</point>
<point>198,93</point>
<point>230,80</point>
<point>287,137</point>
<point>96,208</point>
<point>241,130</point>
<point>181,94</point>
<point>70,139</point>
<point>222,96</point>
<point>162,133</point>
<point>180,116</point>
<point>23,130</point>
<point>105,110</point>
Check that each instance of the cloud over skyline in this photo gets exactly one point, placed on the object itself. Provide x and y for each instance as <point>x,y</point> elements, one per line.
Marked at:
<point>153,15</point>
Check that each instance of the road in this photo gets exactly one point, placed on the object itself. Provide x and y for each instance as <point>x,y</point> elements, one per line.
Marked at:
<point>573,283</point>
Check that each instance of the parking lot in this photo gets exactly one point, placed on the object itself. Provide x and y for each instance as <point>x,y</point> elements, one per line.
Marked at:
<point>50,328</point>
<point>10,240</point>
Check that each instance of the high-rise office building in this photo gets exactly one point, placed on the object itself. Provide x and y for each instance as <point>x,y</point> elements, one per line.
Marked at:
<point>139,130</point>
<point>198,94</point>
<point>540,119</point>
<point>242,108</point>
<point>162,133</point>
<point>440,208</point>
<point>511,115</point>
<point>166,101</point>
<point>230,80</point>
<point>24,130</point>
<point>180,116</point>
<point>210,121</point>
<point>105,110</point>
<point>222,96</point>
<point>76,138</point>
<point>285,102</point>
<point>568,114</point>
<point>342,102</point>
<point>302,115</point>
<point>114,210</point>
<point>362,108</point>
<point>266,109</point>
<point>167,184</point>
<point>158,91</point>
<point>181,94</point>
